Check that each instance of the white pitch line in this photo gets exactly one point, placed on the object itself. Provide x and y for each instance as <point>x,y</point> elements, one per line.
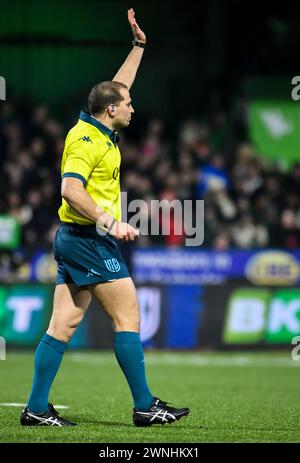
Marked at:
<point>13,404</point>
<point>173,359</point>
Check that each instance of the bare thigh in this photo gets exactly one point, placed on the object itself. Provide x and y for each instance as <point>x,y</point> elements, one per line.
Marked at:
<point>69,306</point>
<point>119,299</point>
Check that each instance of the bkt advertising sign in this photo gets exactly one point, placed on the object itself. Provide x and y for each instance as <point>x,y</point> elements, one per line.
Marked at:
<point>262,315</point>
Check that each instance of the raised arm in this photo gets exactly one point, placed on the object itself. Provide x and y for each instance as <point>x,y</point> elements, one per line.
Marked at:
<point>127,72</point>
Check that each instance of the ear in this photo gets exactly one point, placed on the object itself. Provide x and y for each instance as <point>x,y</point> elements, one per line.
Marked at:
<point>111,109</point>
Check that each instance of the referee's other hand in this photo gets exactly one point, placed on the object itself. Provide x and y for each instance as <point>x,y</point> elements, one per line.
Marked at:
<point>124,231</point>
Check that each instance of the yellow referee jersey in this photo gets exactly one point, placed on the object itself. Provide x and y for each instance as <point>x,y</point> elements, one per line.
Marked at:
<point>91,154</point>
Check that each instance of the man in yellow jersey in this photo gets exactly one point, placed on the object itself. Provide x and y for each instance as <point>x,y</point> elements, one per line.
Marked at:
<point>88,257</point>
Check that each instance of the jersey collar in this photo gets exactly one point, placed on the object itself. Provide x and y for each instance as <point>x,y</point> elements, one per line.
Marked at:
<point>113,134</point>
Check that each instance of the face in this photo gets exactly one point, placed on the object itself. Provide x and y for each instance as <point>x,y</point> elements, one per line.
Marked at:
<point>123,111</point>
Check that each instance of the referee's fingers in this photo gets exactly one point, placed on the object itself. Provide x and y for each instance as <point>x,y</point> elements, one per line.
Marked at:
<point>133,233</point>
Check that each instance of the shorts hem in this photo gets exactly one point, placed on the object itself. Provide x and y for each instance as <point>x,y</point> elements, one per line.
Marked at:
<point>96,282</point>
<point>64,283</point>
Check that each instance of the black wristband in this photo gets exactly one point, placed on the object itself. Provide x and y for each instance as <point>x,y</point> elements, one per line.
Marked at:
<point>137,43</point>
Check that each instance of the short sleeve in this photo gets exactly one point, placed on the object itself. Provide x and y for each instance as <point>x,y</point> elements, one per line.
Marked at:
<point>80,161</point>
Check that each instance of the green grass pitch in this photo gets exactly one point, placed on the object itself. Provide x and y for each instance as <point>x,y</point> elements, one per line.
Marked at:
<point>233,397</point>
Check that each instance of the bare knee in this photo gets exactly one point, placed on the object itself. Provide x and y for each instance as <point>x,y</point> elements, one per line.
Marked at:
<point>63,331</point>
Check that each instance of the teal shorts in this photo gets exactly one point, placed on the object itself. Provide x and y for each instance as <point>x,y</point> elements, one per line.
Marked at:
<point>84,257</point>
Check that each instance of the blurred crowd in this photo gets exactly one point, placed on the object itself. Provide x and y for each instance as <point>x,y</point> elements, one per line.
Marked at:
<point>249,203</point>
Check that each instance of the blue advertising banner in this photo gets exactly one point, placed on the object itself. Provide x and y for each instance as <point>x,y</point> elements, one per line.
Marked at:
<point>189,267</point>
<point>186,266</point>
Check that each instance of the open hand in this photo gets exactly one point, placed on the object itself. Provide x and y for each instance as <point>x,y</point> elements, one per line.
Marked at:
<point>138,34</point>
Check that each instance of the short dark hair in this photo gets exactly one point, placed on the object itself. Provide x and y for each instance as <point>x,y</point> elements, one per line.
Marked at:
<point>104,94</point>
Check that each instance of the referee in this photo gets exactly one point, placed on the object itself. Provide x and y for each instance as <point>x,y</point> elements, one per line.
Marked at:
<point>89,261</point>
